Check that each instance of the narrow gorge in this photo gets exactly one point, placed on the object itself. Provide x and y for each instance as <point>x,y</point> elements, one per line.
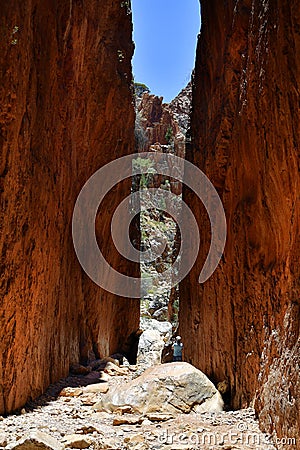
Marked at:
<point>67,109</point>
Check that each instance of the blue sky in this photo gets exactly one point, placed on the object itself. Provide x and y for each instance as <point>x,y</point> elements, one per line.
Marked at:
<point>165,35</point>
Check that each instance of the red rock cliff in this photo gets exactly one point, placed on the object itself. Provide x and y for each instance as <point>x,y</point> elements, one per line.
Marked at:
<point>66,110</point>
<point>243,323</point>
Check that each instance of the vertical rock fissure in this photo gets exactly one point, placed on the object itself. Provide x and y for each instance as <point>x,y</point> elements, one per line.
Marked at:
<point>160,129</point>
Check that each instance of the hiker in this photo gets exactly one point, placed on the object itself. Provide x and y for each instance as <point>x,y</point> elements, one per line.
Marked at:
<point>177,349</point>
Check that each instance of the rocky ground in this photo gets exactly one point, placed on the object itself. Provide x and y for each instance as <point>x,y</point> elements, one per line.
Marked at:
<point>65,417</point>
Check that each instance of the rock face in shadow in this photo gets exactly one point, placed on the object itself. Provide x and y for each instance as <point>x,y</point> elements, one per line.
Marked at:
<point>242,325</point>
<point>66,110</point>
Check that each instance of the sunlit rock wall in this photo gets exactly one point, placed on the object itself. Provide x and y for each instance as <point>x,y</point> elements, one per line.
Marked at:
<point>242,325</point>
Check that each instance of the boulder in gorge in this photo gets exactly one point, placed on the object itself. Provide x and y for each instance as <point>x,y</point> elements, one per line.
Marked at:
<point>167,388</point>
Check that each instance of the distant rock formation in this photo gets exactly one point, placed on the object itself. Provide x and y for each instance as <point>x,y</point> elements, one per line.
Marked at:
<point>156,119</point>
<point>165,127</point>
<point>165,122</point>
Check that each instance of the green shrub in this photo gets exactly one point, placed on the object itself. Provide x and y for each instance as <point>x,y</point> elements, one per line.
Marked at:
<point>169,135</point>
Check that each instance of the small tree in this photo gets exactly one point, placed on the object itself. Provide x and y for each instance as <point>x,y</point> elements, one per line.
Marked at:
<point>169,135</point>
<point>140,88</point>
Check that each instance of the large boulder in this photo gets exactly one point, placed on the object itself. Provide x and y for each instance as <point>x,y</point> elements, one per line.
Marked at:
<point>168,388</point>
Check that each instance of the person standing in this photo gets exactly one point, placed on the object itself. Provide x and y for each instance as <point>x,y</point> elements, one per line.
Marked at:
<point>177,349</point>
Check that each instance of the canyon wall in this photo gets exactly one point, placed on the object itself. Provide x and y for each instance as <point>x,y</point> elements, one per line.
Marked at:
<point>66,110</point>
<point>242,325</point>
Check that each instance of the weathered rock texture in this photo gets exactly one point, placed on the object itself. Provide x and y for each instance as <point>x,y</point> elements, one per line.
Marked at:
<point>181,108</point>
<point>164,128</point>
<point>156,119</point>
<point>243,323</point>
<point>66,110</point>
